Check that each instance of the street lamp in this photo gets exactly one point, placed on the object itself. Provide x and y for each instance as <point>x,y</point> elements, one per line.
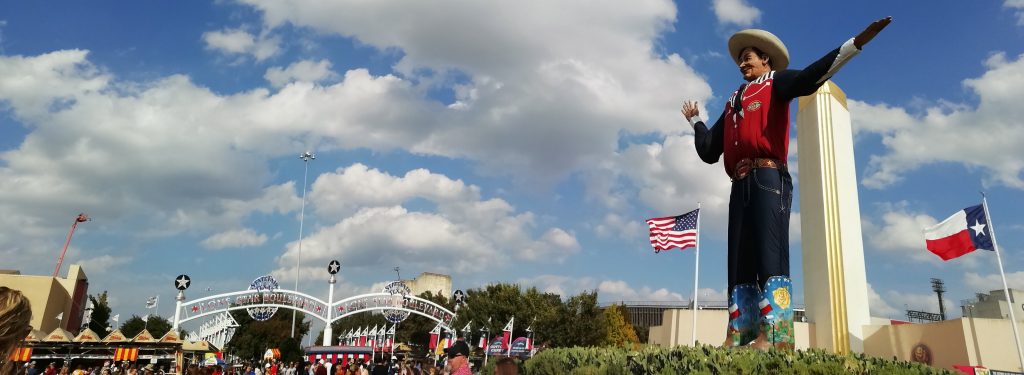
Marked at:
<point>306,157</point>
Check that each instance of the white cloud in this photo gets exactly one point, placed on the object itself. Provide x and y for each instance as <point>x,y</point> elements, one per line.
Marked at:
<point>553,101</point>
<point>461,229</point>
<point>102,263</point>
<point>614,225</point>
<point>301,71</point>
<point>927,302</point>
<point>909,139</point>
<point>899,231</point>
<point>241,42</point>
<point>670,179</point>
<point>618,290</point>
<point>1018,9</point>
<point>736,12</point>
<point>613,290</point>
<point>880,308</point>
<point>244,237</point>
<point>992,281</point>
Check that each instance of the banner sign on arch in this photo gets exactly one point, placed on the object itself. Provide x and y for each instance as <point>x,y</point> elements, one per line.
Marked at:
<point>256,298</point>
<point>383,301</point>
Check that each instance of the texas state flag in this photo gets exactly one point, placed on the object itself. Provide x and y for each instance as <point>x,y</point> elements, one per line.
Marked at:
<point>964,232</point>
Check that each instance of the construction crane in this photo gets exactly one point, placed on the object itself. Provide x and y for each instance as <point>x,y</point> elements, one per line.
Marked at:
<point>80,219</point>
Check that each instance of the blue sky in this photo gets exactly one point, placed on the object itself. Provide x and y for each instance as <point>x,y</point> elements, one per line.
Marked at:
<point>497,142</point>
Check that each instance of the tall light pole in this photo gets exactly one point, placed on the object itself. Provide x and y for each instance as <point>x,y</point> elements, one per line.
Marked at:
<point>80,219</point>
<point>306,157</point>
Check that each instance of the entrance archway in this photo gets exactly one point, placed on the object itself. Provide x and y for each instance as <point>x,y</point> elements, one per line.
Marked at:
<point>326,311</point>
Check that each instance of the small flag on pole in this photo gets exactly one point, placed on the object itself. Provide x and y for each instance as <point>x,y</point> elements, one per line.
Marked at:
<point>965,231</point>
<point>151,302</point>
<point>434,334</point>
<point>145,318</point>
<point>674,231</point>
<point>115,317</point>
<point>60,316</point>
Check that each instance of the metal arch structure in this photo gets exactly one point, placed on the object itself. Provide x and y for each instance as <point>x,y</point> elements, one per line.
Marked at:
<point>326,311</point>
<point>387,301</point>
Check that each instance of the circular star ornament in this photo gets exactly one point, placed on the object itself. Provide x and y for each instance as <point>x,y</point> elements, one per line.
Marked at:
<point>398,291</point>
<point>334,267</point>
<point>182,282</point>
<point>459,296</point>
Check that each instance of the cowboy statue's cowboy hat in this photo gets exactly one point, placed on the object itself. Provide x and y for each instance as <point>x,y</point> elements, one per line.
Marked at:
<point>765,41</point>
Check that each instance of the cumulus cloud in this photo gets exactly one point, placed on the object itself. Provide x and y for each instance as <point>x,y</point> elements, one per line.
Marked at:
<point>553,101</point>
<point>992,281</point>
<point>241,42</point>
<point>614,290</point>
<point>879,307</point>
<point>1018,9</point>
<point>302,71</point>
<point>372,227</point>
<point>908,137</point>
<point>898,230</point>
<point>244,237</point>
<point>736,12</point>
<point>102,263</point>
<point>669,178</point>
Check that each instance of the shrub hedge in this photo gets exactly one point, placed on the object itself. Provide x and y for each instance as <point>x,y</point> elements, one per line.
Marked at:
<point>705,359</point>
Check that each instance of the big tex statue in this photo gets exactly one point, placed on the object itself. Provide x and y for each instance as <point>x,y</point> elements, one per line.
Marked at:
<point>753,134</point>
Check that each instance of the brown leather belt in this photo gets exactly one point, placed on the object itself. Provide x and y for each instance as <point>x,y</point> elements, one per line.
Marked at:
<point>746,165</point>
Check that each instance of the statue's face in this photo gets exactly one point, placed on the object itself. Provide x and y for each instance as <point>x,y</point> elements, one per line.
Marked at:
<point>753,65</point>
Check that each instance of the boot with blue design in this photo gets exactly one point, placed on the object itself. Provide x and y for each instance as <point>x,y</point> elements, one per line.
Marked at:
<point>776,315</point>
<point>743,316</point>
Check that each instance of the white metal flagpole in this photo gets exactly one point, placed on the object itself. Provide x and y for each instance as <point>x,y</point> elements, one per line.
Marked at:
<point>696,274</point>
<point>1006,289</point>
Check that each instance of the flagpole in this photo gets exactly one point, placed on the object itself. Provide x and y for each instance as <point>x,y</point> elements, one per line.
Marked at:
<point>511,331</point>
<point>1006,289</point>
<point>696,274</point>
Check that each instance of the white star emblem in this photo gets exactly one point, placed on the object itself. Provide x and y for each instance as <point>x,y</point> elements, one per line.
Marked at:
<point>333,267</point>
<point>979,228</point>
<point>182,282</point>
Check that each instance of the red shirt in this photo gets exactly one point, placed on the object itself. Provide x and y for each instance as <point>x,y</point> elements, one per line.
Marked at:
<point>760,129</point>
<point>757,125</point>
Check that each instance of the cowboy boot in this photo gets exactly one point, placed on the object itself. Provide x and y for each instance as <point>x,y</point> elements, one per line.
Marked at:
<point>743,315</point>
<point>776,312</point>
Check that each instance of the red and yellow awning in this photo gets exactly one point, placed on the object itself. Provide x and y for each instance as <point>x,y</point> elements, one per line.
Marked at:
<point>126,354</point>
<point>21,355</point>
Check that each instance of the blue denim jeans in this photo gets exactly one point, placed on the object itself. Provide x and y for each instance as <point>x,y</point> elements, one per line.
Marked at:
<point>759,209</point>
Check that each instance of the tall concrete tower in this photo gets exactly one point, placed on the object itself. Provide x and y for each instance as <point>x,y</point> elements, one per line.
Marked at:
<point>835,284</point>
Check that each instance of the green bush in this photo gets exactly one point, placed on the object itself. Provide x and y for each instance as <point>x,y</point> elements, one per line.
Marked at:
<point>710,360</point>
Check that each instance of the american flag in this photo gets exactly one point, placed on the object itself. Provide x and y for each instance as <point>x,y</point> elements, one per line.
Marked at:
<point>674,231</point>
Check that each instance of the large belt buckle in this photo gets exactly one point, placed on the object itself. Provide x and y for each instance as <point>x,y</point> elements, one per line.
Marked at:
<point>743,168</point>
<point>766,163</point>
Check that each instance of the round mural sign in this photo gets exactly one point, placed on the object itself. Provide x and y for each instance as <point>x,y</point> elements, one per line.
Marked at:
<point>263,284</point>
<point>398,291</point>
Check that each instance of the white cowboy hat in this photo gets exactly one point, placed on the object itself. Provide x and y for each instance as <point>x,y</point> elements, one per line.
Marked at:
<point>765,41</point>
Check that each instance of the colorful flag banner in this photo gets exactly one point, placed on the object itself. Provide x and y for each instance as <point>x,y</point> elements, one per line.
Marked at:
<point>674,231</point>
<point>967,230</point>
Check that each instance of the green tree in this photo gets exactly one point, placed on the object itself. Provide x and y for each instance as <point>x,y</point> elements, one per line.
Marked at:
<point>584,322</point>
<point>493,305</point>
<point>620,332</point>
<point>415,330</point>
<point>252,338</point>
<point>100,314</point>
<point>643,334</point>
<point>157,326</point>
